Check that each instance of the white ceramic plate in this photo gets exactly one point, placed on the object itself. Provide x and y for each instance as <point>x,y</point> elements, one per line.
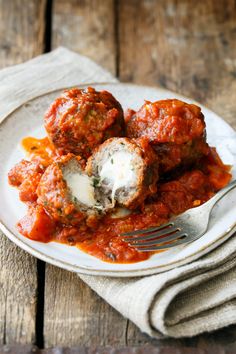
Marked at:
<point>28,120</point>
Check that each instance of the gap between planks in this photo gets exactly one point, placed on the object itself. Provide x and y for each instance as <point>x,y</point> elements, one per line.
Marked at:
<point>41,266</point>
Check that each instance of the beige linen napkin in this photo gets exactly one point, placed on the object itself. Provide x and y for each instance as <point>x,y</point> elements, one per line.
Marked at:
<point>185,301</point>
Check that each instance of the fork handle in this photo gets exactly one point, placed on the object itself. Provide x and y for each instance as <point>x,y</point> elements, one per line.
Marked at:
<point>219,195</point>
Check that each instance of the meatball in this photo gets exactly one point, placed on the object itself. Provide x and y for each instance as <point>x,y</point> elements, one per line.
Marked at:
<point>175,129</point>
<point>79,120</point>
<point>67,193</point>
<point>125,171</point>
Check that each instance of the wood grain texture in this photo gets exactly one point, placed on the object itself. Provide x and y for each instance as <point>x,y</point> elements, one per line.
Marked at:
<point>189,47</point>
<point>18,274</point>
<point>74,314</point>
<point>18,286</point>
<point>87,27</point>
<point>21,30</point>
<point>184,45</point>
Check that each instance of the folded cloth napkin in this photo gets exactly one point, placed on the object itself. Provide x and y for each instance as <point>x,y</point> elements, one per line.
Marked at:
<point>185,301</point>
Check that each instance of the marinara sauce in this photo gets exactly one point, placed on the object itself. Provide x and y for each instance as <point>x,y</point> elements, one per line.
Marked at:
<point>185,190</point>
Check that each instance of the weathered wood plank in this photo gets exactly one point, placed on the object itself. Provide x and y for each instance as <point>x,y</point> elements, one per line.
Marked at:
<point>21,30</point>
<point>185,46</point>
<point>73,313</point>
<point>87,27</point>
<point>21,37</point>
<point>18,285</point>
<point>188,47</point>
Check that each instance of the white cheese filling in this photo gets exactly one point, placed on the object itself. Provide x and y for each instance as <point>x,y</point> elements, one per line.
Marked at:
<point>81,187</point>
<point>118,171</point>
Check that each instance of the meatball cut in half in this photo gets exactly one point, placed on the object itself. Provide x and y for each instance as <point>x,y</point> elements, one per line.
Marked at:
<point>175,129</point>
<point>125,172</point>
<point>79,120</point>
<point>67,193</point>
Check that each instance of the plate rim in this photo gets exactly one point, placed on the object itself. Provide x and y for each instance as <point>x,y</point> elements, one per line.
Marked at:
<point>122,272</point>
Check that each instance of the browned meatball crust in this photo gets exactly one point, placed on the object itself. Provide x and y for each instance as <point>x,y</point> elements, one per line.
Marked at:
<point>175,129</point>
<point>79,120</point>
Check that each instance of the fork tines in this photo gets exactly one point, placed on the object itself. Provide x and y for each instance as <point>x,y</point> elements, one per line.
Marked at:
<point>155,238</point>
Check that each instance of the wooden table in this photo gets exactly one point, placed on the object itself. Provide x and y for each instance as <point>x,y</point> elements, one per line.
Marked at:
<point>187,46</point>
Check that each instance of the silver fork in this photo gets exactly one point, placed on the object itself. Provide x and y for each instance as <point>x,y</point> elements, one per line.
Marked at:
<point>185,228</point>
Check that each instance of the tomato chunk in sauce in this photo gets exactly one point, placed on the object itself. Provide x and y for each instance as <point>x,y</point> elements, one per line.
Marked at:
<point>37,225</point>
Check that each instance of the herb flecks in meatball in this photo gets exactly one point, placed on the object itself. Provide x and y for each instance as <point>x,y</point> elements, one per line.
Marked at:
<point>126,171</point>
<point>79,120</point>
